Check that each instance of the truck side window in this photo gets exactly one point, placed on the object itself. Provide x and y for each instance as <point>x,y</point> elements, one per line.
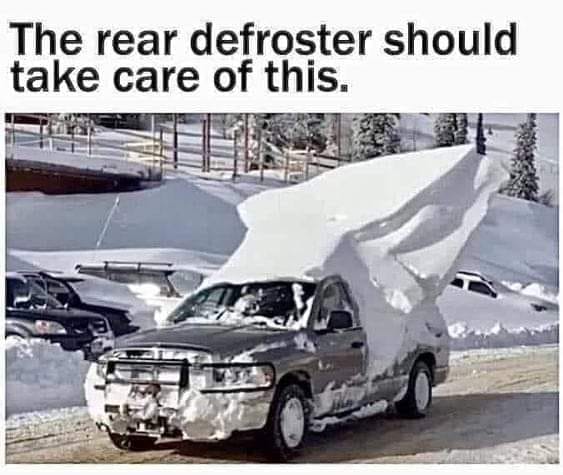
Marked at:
<point>333,298</point>
<point>480,288</point>
<point>458,283</point>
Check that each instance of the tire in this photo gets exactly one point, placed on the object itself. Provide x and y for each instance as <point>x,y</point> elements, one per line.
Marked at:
<point>287,425</point>
<point>132,443</point>
<point>418,398</point>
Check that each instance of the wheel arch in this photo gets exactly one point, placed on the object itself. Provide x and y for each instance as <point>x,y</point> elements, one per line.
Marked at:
<point>300,378</point>
<point>429,359</point>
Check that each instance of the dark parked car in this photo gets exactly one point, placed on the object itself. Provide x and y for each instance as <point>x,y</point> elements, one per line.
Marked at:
<point>63,288</point>
<point>32,313</point>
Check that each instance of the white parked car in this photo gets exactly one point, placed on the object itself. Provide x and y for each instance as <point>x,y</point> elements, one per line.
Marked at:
<point>474,282</point>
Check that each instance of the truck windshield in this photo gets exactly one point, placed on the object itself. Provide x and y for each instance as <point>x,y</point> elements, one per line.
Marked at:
<point>281,305</point>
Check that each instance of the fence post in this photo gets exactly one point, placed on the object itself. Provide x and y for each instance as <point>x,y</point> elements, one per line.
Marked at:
<point>41,133</point>
<point>203,143</point>
<point>50,132</point>
<point>13,138</point>
<point>235,156</point>
<point>89,132</point>
<point>208,147</point>
<point>246,143</point>
<point>72,138</point>
<point>175,141</point>
<point>260,154</point>
<point>286,165</point>
<point>307,158</point>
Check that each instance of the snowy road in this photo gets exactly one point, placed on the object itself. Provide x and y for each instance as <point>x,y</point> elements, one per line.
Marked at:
<point>497,406</point>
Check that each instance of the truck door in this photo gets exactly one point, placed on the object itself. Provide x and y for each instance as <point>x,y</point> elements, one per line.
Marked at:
<point>341,353</point>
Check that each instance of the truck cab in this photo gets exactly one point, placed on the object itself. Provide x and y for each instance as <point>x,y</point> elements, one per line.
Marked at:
<point>278,357</point>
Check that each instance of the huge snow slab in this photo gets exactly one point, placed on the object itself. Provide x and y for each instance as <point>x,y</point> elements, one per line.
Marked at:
<point>393,227</point>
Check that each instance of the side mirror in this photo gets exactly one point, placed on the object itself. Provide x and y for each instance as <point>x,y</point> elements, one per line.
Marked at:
<point>340,320</point>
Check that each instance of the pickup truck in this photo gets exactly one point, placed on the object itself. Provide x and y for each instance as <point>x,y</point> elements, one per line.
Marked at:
<point>273,357</point>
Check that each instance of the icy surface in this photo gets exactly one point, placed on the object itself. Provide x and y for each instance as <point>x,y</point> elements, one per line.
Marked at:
<point>394,232</point>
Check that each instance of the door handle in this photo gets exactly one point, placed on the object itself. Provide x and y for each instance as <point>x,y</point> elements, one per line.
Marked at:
<point>357,344</point>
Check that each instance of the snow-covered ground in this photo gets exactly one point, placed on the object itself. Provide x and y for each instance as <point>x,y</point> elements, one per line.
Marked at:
<point>497,406</point>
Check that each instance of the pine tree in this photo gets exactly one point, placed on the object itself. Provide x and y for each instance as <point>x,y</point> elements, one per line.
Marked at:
<point>460,134</point>
<point>444,129</point>
<point>375,135</point>
<point>306,131</point>
<point>523,182</point>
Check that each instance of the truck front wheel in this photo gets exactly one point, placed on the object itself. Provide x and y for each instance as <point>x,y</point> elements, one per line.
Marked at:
<point>417,400</point>
<point>132,443</point>
<point>287,423</point>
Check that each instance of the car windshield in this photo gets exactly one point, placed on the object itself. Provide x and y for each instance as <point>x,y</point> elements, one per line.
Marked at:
<point>280,305</point>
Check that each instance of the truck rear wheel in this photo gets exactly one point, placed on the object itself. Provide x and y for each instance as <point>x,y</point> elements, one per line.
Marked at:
<point>417,400</point>
<point>287,423</point>
<point>132,443</point>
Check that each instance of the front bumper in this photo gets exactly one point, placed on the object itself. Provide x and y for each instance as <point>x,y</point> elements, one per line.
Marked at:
<point>174,410</point>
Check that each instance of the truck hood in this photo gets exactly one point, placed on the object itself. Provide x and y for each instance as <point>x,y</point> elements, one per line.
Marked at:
<point>223,340</point>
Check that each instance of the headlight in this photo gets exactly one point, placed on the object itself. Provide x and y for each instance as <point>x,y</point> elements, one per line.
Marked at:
<point>48,327</point>
<point>241,378</point>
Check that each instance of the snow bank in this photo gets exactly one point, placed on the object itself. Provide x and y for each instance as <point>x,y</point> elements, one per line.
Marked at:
<point>463,337</point>
<point>40,375</point>
<point>393,227</point>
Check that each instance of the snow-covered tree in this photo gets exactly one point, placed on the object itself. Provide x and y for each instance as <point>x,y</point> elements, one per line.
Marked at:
<point>305,131</point>
<point>375,135</point>
<point>523,182</point>
<point>445,128</point>
<point>460,134</point>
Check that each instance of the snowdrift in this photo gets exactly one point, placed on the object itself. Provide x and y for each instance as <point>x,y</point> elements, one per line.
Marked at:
<point>41,375</point>
<point>393,227</point>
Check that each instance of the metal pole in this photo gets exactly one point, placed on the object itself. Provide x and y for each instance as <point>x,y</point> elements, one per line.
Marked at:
<point>175,140</point>
<point>480,139</point>
<point>286,173</point>
<point>72,138</point>
<point>307,158</point>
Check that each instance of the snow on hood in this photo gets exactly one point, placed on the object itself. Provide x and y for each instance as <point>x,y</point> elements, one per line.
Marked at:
<point>392,227</point>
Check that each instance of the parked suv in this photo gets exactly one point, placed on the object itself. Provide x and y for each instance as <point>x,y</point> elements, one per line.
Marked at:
<point>275,357</point>
<point>32,313</point>
<point>63,288</point>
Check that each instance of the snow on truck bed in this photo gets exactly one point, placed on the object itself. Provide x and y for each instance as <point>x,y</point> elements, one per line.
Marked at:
<point>393,227</point>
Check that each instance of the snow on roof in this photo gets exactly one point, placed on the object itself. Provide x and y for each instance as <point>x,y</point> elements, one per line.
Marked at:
<point>393,227</point>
